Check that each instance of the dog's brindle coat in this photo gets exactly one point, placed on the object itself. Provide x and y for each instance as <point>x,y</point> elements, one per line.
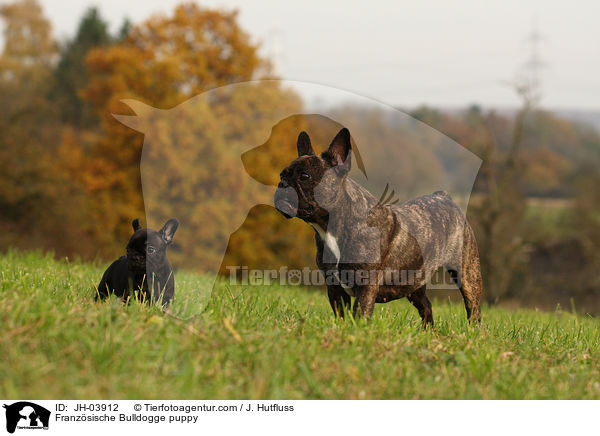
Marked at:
<point>146,262</point>
<point>421,235</point>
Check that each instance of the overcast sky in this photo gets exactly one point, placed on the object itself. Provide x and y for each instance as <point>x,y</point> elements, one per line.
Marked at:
<point>444,53</point>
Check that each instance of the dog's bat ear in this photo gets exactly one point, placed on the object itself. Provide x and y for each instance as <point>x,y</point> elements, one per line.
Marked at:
<point>304,146</point>
<point>339,151</point>
<point>136,224</point>
<point>169,230</point>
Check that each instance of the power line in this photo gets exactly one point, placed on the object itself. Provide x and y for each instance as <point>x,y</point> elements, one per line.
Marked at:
<point>534,64</point>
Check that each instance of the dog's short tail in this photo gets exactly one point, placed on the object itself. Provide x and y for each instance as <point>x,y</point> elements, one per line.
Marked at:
<point>443,194</point>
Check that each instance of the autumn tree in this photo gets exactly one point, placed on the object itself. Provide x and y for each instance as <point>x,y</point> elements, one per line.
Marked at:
<point>164,62</point>
<point>29,184</point>
<point>498,216</point>
<point>70,75</point>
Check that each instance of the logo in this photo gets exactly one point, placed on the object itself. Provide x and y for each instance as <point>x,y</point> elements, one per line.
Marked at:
<point>26,415</point>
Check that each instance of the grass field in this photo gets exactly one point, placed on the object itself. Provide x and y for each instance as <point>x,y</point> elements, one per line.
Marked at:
<point>272,342</point>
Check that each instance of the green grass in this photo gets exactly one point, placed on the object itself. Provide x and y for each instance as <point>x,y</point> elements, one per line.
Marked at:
<point>272,342</point>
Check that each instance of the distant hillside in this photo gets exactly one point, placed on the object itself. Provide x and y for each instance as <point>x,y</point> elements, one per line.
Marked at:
<point>591,118</point>
<point>559,147</point>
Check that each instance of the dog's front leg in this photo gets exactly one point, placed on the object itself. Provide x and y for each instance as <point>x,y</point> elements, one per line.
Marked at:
<point>365,301</point>
<point>339,300</point>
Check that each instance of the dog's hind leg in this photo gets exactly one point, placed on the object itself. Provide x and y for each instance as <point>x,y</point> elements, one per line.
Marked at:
<point>419,299</point>
<point>469,281</point>
<point>365,302</point>
<point>469,303</point>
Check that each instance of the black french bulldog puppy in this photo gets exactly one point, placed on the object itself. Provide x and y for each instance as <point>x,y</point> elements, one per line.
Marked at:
<point>146,262</point>
<point>372,251</point>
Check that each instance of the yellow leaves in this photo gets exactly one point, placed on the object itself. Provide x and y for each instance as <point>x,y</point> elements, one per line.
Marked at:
<point>506,355</point>
<point>170,58</point>
<point>115,72</point>
<point>163,61</point>
<point>350,339</point>
<point>155,320</point>
<point>545,168</point>
<point>228,323</point>
<point>28,35</point>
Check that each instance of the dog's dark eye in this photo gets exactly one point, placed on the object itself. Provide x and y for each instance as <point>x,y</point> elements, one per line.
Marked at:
<point>304,176</point>
<point>151,250</point>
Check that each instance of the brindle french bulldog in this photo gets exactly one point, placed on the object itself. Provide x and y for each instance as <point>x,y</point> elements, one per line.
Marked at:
<point>390,251</point>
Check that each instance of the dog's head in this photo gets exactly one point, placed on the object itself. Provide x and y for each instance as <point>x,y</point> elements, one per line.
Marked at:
<point>311,185</point>
<point>147,248</point>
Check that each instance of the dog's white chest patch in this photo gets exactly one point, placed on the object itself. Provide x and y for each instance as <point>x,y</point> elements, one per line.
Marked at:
<point>329,241</point>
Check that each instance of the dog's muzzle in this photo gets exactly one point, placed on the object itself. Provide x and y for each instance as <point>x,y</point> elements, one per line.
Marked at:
<point>286,201</point>
<point>136,263</point>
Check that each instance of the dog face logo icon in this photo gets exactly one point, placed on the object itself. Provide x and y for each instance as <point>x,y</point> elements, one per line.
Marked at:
<point>26,415</point>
